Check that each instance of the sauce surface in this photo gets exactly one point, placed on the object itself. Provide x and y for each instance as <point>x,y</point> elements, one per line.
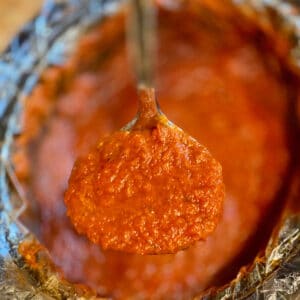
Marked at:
<point>217,83</point>
<point>148,191</point>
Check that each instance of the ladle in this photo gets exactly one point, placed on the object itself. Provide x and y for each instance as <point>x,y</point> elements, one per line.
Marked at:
<point>148,188</point>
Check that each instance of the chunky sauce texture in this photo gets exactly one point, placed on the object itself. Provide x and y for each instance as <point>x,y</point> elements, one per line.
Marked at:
<point>221,82</point>
<point>148,191</point>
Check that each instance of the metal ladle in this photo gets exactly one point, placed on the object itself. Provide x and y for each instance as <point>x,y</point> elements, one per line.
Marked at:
<point>148,188</point>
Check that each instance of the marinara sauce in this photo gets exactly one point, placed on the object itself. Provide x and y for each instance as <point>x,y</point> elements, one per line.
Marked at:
<point>147,189</point>
<point>221,80</point>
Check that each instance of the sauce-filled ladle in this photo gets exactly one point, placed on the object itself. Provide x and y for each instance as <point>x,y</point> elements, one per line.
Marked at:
<point>148,188</point>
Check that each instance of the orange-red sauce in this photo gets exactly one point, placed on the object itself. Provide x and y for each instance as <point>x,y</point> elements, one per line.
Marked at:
<point>148,191</point>
<point>219,80</point>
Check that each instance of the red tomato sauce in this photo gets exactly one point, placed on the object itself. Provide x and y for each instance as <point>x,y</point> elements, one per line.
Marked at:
<point>221,82</point>
<point>148,191</point>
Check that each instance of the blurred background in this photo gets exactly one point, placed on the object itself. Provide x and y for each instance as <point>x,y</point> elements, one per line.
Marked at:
<point>13,15</point>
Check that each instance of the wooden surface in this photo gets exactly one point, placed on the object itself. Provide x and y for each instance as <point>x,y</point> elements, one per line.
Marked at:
<point>14,14</point>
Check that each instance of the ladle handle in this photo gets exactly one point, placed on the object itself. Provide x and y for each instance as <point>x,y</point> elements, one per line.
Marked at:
<point>142,35</point>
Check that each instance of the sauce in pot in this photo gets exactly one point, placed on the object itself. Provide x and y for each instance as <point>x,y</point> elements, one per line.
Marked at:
<point>220,81</point>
